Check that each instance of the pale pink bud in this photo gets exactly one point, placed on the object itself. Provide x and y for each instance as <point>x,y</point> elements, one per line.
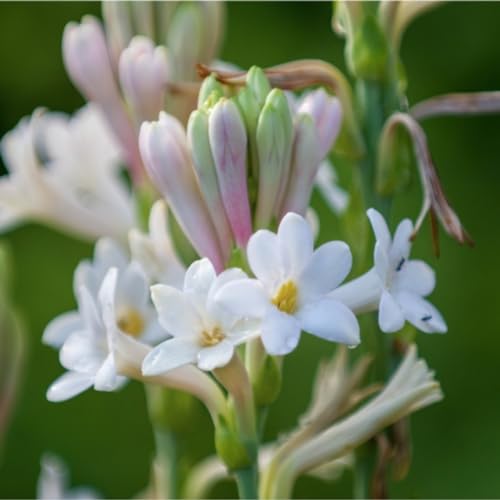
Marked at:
<point>306,157</point>
<point>143,76</point>
<point>163,147</point>
<point>228,141</point>
<point>326,113</point>
<point>88,64</point>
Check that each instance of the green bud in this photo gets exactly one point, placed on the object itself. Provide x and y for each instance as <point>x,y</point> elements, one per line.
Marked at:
<point>395,161</point>
<point>210,92</point>
<point>274,145</point>
<point>367,52</point>
<point>258,83</point>
<point>267,384</point>
<point>144,197</point>
<point>232,450</point>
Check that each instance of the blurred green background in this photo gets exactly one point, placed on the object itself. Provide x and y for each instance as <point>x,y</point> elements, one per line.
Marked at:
<point>105,438</point>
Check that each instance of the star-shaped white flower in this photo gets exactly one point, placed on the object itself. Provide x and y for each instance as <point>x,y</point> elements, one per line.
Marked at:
<point>290,292</point>
<point>204,333</point>
<point>83,336</point>
<point>395,285</point>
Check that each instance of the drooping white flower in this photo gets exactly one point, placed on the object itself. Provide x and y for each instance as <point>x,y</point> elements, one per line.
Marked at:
<point>53,482</point>
<point>290,293</point>
<point>154,251</point>
<point>65,171</point>
<point>83,336</point>
<point>204,334</point>
<point>395,285</point>
<point>326,183</point>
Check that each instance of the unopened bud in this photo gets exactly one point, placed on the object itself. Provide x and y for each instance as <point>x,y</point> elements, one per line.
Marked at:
<point>143,76</point>
<point>207,176</point>
<point>327,115</point>
<point>230,447</point>
<point>258,83</point>
<point>306,158</point>
<point>210,90</point>
<point>228,141</point>
<point>267,385</point>
<point>165,153</point>
<point>274,144</point>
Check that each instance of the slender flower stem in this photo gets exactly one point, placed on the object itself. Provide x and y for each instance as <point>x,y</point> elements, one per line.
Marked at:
<point>246,479</point>
<point>166,456</point>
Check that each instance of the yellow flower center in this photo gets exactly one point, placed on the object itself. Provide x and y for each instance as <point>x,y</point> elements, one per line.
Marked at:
<point>211,337</point>
<point>286,297</point>
<point>131,322</point>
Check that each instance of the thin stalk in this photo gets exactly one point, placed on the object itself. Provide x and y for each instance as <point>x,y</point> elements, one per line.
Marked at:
<point>246,480</point>
<point>167,457</point>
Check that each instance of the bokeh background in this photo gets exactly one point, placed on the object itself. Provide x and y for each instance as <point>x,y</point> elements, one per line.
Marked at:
<point>105,438</point>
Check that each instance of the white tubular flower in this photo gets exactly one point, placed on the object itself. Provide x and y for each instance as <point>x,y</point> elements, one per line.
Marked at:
<point>395,285</point>
<point>203,333</point>
<point>65,172</point>
<point>84,337</point>
<point>53,482</point>
<point>290,293</point>
<point>411,388</point>
<point>154,251</point>
<point>326,183</point>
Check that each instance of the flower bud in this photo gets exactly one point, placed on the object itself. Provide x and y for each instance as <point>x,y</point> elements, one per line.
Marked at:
<point>118,24</point>
<point>327,115</point>
<point>306,158</point>
<point>210,89</point>
<point>143,76</point>
<point>165,153</point>
<point>88,64</point>
<point>274,144</point>
<point>267,385</point>
<point>230,447</point>
<point>258,83</point>
<point>207,176</point>
<point>228,141</point>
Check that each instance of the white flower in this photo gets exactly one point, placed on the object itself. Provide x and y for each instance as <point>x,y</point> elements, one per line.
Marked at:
<point>155,252</point>
<point>53,482</point>
<point>395,285</point>
<point>83,336</point>
<point>203,333</point>
<point>326,182</point>
<point>65,171</point>
<point>290,293</point>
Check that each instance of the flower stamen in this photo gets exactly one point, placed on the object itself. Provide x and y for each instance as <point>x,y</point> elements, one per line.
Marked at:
<point>286,297</point>
<point>131,322</point>
<point>211,337</point>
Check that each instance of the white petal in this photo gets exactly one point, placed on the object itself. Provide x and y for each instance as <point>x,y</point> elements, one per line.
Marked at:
<point>379,226</point>
<point>264,257</point>
<point>199,277</point>
<point>82,352</point>
<point>176,313</point>
<point>106,379</point>
<point>296,242</point>
<point>69,385</point>
<point>421,313</point>
<point>401,244</point>
<point>108,253</point>
<point>60,328</point>
<point>233,274</point>
<point>280,332</point>
<point>415,276</point>
<point>132,288</point>
<point>215,356</point>
<point>245,298</point>
<point>169,355</point>
<point>154,333</point>
<point>331,320</point>
<point>89,311</point>
<point>327,268</point>
<point>390,315</point>
<point>381,261</point>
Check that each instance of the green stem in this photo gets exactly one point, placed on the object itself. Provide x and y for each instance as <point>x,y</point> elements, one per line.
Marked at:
<point>166,455</point>
<point>246,480</point>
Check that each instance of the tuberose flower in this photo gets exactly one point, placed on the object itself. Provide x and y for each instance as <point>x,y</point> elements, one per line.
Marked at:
<point>395,285</point>
<point>204,333</point>
<point>290,293</point>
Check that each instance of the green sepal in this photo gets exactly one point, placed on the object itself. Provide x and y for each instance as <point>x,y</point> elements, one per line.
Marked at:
<point>267,384</point>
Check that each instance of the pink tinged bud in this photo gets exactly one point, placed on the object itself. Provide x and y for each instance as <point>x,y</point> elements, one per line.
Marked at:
<point>143,76</point>
<point>87,61</point>
<point>207,176</point>
<point>228,141</point>
<point>327,115</point>
<point>165,153</point>
<point>306,157</point>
